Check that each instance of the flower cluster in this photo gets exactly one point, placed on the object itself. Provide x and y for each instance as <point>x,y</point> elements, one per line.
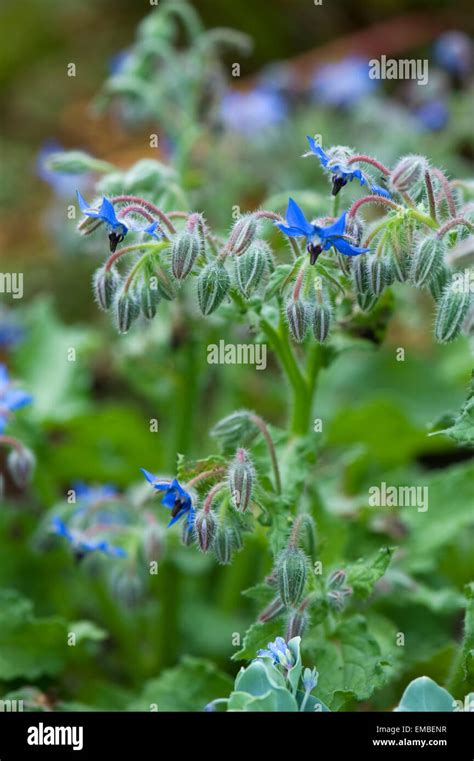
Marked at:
<point>416,237</point>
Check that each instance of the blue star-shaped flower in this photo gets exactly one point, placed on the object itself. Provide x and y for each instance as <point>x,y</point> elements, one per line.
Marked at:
<point>82,544</point>
<point>175,498</point>
<point>342,173</point>
<point>106,213</point>
<point>11,399</point>
<point>279,652</point>
<point>318,238</point>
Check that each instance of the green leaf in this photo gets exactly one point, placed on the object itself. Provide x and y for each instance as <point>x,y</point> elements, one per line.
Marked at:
<point>423,694</point>
<point>462,429</point>
<point>276,279</point>
<point>30,647</point>
<point>257,637</point>
<point>350,663</point>
<point>87,631</point>
<point>190,686</point>
<point>468,642</point>
<point>363,575</point>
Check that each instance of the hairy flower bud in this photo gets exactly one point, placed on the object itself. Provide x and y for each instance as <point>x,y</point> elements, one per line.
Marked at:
<point>105,284</point>
<point>408,171</point>
<point>272,610</point>
<point>359,275</point>
<point>241,479</point>
<point>213,284</point>
<point>439,282</point>
<point>205,528</point>
<point>250,267</point>
<point>377,274</point>
<point>223,545</point>
<point>164,282</point>
<point>235,429</point>
<point>21,464</point>
<point>297,623</point>
<point>338,598</point>
<point>322,316</point>
<point>427,261</point>
<point>149,300</point>
<point>184,251</point>
<point>297,316</point>
<point>126,311</point>
<point>397,247</point>
<point>242,234</point>
<point>291,575</point>
<point>126,586</point>
<point>452,309</point>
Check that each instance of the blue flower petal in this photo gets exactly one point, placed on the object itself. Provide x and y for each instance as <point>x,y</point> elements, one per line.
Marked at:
<point>296,218</point>
<point>344,247</point>
<point>317,150</point>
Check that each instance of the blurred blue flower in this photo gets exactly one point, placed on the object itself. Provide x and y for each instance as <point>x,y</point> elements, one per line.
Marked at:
<point>91,495</point>
<point>11,333</point>
<point>106,213</point>
<point>81,543</point>
<point>175,498</point>
<point>11,399</point>
<point>117,63</point>
<point>251,112</point>
<point>453,51</point>
<point>343,84</point>
<point>63,183</point>
<point>279,652</point>
<point>318,238</point>
<point>342,173</point>
<point>432,115</point>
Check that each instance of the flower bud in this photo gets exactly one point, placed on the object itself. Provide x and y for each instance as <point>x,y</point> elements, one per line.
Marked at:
<point>398,248</point>
<point>166,286</point>
<point>272,610</point>
<point>250,267</point>
<point>149,300</point>
<point>21,464</point>
<point>359,275</point>
<point>355,229</point>
<point>213,284</point>
<point>377,274</point>
<point>241,479</point>
<point>338,598</point>
<point>105,285</point>
<point>297,623</point>
<point>426,262</point>
<point>126,586</point>
<point>439,282</point>
<point>242,234</point>
<point>223,545</point>
<point>291,575</point>
<point>336,579</point>
<point>126,311</point>
<point>184,251</point>
<point>322,316</point>
<point>452,309</point>
<point>297,316</point>
<point>235,429</point>
<point>408,171</point>
<point>205,528</point>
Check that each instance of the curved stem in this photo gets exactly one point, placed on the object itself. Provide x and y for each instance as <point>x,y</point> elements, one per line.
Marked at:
<point>151,206</point>
<point>444,182</point>
<point>135,209</point>
<point>126,250</point>
<point>211,494</point>
<point>139,264</point>
<point>369,160</point>
<point>9,441</point>
<point>454,223</point>
<point>204,476</point>
<point>261,425</point>
<point>372,199</point>
<point>430,194</point>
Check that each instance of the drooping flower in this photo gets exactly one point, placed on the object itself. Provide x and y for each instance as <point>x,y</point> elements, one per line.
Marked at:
<point>11,399</point>
<point>318,238</point>
<point>279,652</point>
<point>105,213</point>
<point>82,542</point>
<point>175,498</point>
<point>335,161</point>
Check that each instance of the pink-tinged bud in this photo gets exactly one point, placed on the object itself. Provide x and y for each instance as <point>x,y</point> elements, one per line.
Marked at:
<point>224,545</point>
<point>272,610</point>
<point>297,316</point>
<point>336,579</point>
<point>408,171</point>
<point>297,623</point>
<point>205,527</point>
<point>241,479</point>
<point>242,234</point>
<point>105,284</point>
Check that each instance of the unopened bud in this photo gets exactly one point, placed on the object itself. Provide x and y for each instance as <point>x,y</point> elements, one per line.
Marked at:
<point>205,527</point>
<point>127,587</point>
<point>126,311</point>
<point>407,173</point>
<point>359,274</point>
<point>338,598</point>
<point>149,300</point>
<point>184,251</point>
<point>21,464</point>
<point>336,579</point>
<point>297,316</point>
<point>398,248</point>
<point>452,309</point>
<point>291,575</point>
<point>105,284</point>
<point>242,234</point>
<point>235,429</point>
<point>213,284</point>
<point>427,261</point>
<point>250,267</point>
<point>166,285</point>
<point>241,479</point>
<point>272,610</point>
<point>322,317</point>
<point>377,274</point>
<point>223,545</point>
<point>297,623</point>
<point>439,282</point>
